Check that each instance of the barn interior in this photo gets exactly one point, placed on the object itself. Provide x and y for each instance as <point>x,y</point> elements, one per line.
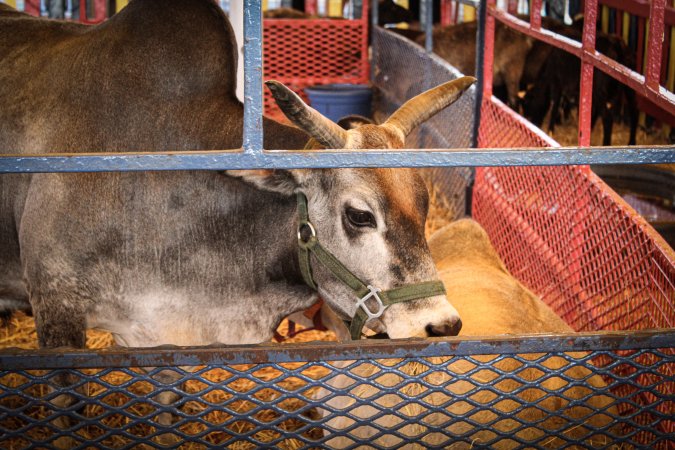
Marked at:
<point>594,243</point>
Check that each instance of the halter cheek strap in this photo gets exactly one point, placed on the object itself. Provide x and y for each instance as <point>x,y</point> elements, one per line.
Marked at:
<point>309,243</point>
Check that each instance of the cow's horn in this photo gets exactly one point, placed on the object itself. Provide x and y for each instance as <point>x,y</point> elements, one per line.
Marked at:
<point>321,128</point>
<point>422,107</point>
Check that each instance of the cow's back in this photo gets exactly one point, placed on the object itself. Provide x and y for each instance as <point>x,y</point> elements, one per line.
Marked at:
<point>156,76</point>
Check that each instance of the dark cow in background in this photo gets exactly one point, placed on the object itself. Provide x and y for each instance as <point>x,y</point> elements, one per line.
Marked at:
<point>457,45</point>
<point>556,84</point>
<point>533,77</point>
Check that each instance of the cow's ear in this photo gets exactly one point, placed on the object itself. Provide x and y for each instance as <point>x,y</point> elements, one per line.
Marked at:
<point>275,180</point>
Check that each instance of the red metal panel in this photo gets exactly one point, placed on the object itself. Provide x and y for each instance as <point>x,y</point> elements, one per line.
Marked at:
<point>32,7</point>
<point>586,87</point>
<point>535,16</point>
<point>664,56</point>
<point>655,44</point>
<point>100,11</point>
<point>307,52</point>
<point>447,16</point>
<point>310,6</point>
<point>488,56</point>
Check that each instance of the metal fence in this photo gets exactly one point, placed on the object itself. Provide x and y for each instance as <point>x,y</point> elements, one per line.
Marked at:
<point>600,389</point>
<point>533,392</point>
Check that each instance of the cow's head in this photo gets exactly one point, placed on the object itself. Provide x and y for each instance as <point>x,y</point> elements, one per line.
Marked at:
<point>371,220</point>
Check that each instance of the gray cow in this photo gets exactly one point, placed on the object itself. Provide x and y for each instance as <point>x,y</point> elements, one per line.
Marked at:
<point>191,257</point>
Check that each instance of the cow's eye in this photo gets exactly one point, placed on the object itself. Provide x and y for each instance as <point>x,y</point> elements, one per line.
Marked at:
<point>360,218</point>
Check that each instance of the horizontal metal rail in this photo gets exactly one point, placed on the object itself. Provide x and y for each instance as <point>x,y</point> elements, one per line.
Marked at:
<point>16,359</point>
<point>307,159</point>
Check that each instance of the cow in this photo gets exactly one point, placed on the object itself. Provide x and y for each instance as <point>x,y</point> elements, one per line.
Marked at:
<point>537,77</point>
<point>515,55</point>
<point>558,81</point>
<point>190,257</point>
<point>491,302</point>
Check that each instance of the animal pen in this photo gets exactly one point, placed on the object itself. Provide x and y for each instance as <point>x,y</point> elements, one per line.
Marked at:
<point>557,226</point>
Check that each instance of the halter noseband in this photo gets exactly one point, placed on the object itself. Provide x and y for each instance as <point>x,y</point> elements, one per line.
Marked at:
<point>309,243</point>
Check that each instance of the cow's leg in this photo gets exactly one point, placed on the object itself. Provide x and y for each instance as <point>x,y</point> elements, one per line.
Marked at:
<point>556,96</point>
<point>607,124</point>
<point>166,398</point>
<point>60,324</point>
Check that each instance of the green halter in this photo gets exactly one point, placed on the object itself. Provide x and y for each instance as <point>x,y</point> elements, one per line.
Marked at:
<point>363,291</point>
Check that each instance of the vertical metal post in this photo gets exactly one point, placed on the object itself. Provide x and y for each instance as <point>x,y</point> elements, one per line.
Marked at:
<point>447,17</point>
<point>655,44</point>
<point>480,68</point>
<point>69,10</point>
<point>488,49</point>
<point>253,74</point>
<point>586,87</point>
<point>375,14</point>
<point>428,20</point>
<point>356,9</point>
<point>374,18</point>
<point>535,14</point>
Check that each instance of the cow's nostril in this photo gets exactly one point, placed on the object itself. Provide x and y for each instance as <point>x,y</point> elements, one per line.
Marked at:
<point>444,329</point>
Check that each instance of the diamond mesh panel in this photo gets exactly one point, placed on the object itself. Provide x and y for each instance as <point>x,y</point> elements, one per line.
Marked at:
<point>396,82</point>
<point>302,53</point>
<point>520,400</point>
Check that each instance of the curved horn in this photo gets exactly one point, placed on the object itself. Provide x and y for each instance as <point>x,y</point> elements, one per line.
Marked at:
<point>422,107</point>
<point>321,128</point>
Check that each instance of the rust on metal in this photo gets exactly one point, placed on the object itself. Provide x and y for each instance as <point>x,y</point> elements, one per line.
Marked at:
<point>586,76</point>
<point>655,44</point>
<point>16,359</point>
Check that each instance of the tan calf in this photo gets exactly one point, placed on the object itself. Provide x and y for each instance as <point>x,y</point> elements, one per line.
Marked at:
<point>490,302</point>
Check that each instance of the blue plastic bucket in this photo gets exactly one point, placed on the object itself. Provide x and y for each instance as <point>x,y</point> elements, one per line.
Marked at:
<point>336,101</point>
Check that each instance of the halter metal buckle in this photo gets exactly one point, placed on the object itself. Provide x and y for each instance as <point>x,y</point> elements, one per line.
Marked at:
<point>362,303</point>
<point>311,230</point>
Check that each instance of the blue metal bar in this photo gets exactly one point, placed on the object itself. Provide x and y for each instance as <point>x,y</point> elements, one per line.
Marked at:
<point>480,62</point>
<point>428,25</point>
<point>374,23</point>
<point>253,77</point>
<point>309,159</point>
<point>17,359</point>
<point>69,10</point>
